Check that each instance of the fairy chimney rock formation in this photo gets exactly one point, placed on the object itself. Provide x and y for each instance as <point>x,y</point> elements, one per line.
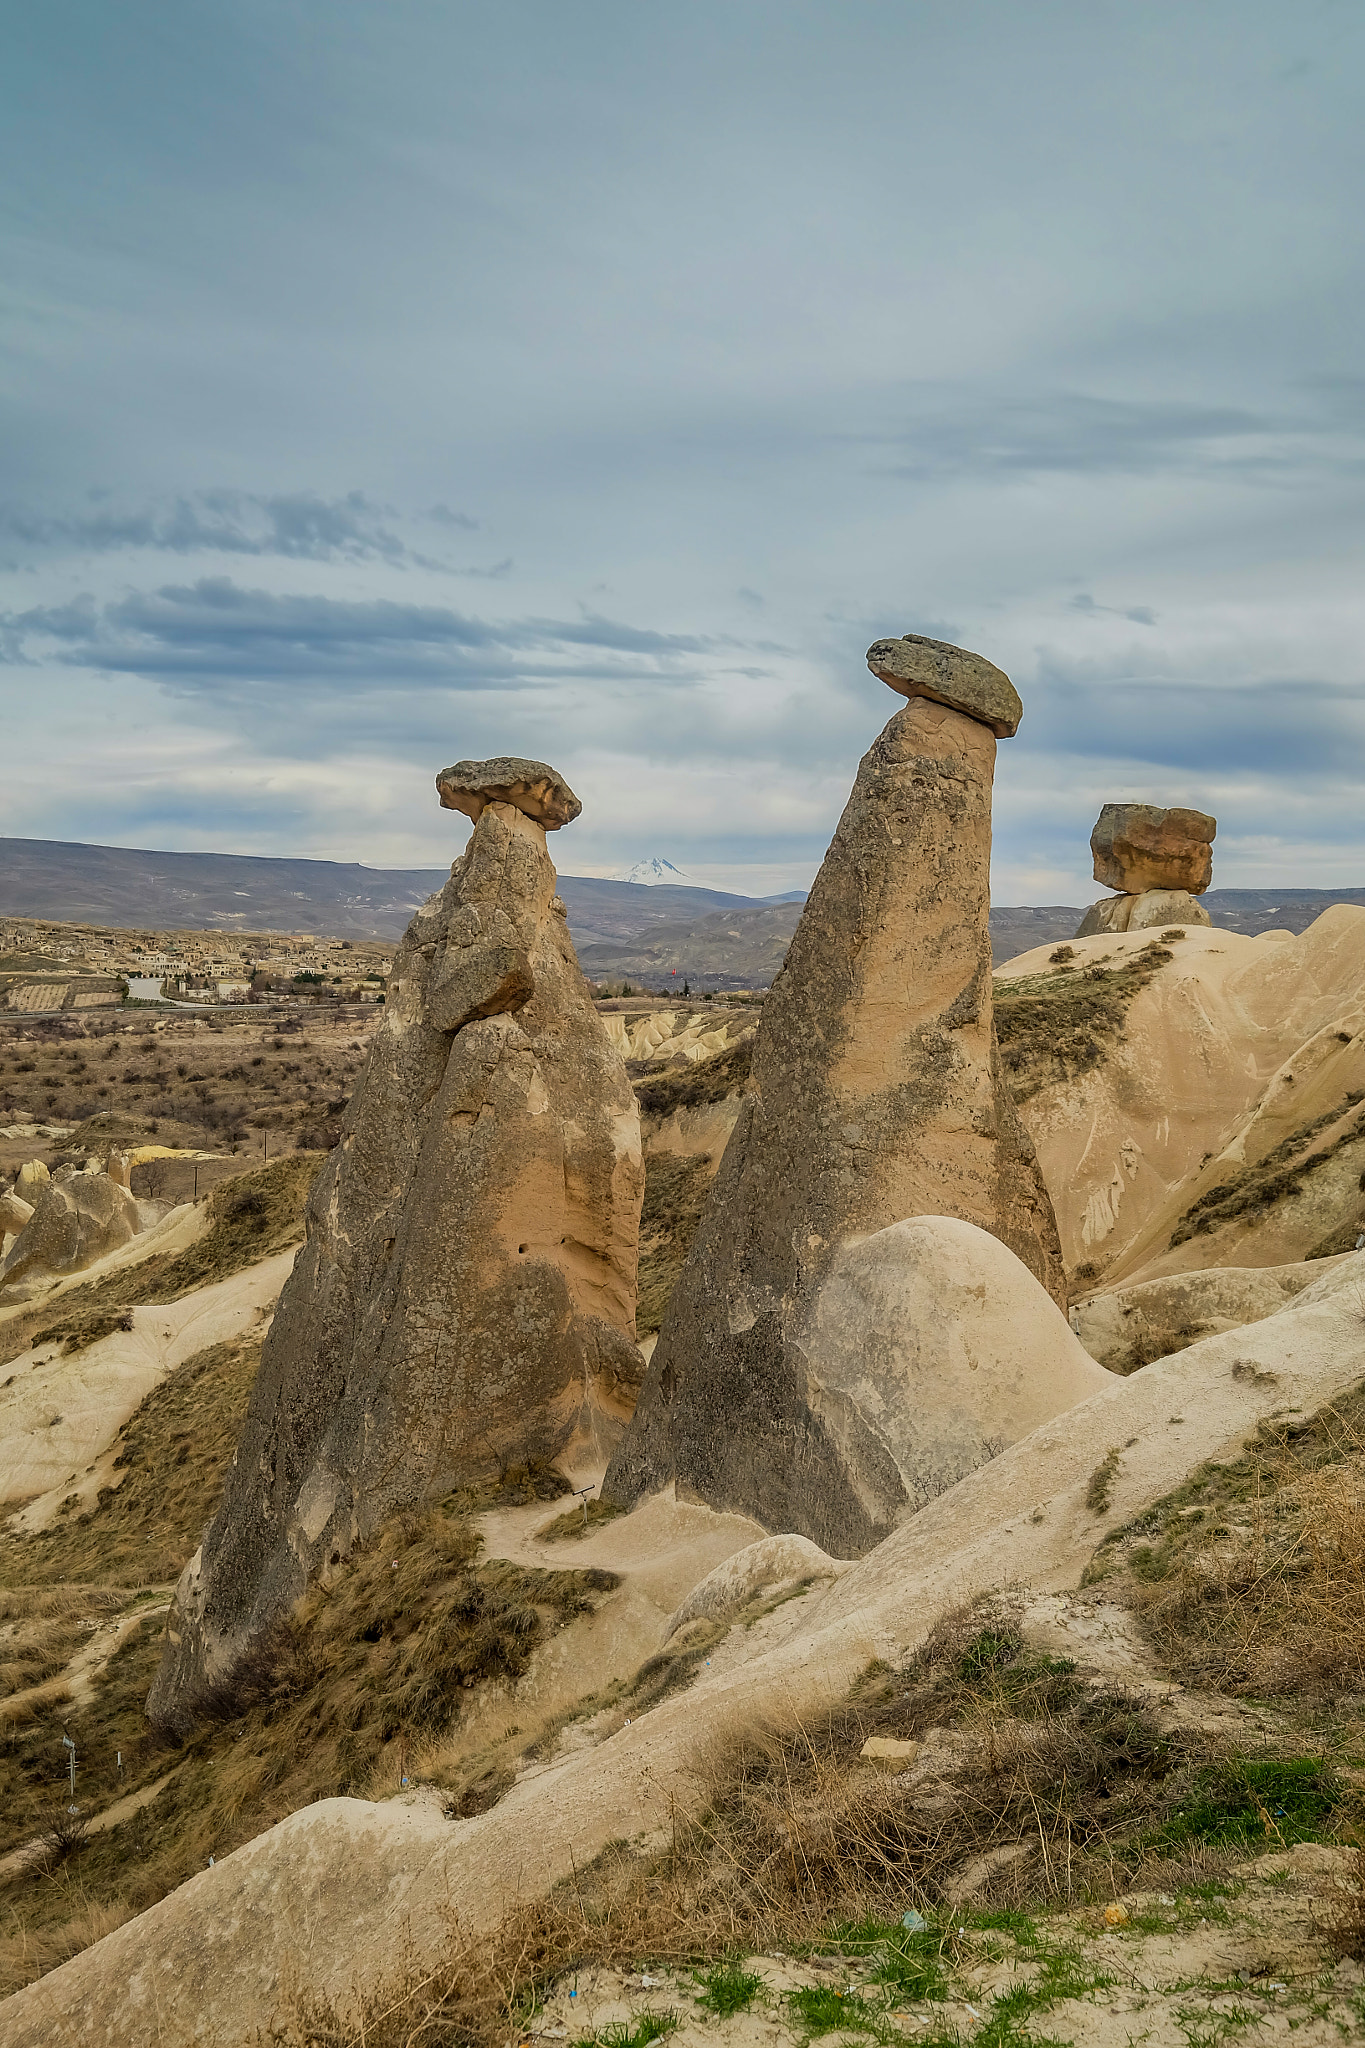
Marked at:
<point>465,1301</point>
<point>876,1095</point>
<point>1160,860</point>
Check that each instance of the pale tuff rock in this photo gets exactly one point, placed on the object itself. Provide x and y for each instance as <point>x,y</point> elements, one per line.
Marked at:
<point>1139,847</point>
<point>352,1889</point>
<point>77,1217</point>
<point>778,1564</point>
<point>672,1034</point>
<point>14,1213</point>
<point>876,1095</point>
<point>466,1297</point>
<point>531,787</point>
<point>1154,907</point>
<point>33,1177</point>
<point>916,667</point>
<point>1134,1325</point>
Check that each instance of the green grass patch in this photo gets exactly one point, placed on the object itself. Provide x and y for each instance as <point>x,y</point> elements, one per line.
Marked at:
<point>650,2026</point>
<point>1264,1803</point>
<point>728,1989</point>
<point>822,2009</point>
<point>909,1963</point>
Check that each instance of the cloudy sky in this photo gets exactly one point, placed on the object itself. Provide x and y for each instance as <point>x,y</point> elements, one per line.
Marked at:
<point>384,384</point>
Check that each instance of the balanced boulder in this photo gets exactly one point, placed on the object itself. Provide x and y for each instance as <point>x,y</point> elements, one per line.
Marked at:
<point>1138,847</point>
<point>531,787</point>
<point>1160,860</point>
<point>876,1095</point>
<point>465,1300</point>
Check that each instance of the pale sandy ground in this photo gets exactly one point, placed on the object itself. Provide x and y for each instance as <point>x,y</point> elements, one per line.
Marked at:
<point>1184,1972</point>
<point>60,1415</point>
<point>338,1888</point>
<point>1227,1022</point>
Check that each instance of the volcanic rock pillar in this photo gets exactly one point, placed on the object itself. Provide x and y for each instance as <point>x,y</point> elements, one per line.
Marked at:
<point>466,1297</point>
<point>876,1095</point>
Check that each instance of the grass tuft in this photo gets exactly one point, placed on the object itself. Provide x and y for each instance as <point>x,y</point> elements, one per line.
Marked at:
<point>728,1989</point>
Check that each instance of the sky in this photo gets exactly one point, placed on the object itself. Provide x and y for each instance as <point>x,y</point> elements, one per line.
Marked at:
<point>385,385</point>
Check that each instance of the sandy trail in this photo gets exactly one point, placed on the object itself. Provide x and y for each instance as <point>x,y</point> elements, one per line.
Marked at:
<point>12,1865</point>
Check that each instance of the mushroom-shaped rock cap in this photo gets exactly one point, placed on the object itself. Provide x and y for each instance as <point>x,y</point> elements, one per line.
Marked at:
<point>530,786</point>
<point>950,675</point>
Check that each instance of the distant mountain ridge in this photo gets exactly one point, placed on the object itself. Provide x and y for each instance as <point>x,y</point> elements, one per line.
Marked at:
<point>653,933</point>
<point>132,886</point>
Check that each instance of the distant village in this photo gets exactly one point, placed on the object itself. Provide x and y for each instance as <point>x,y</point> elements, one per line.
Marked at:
<point>48,966</point>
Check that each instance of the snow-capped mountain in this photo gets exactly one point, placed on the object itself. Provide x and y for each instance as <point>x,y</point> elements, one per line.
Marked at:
<point>654,870</point>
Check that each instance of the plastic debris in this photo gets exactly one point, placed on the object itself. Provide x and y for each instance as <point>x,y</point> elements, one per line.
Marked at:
<point>651,1983</point>
<point>1116,1916</point>
<point>916,1922</point>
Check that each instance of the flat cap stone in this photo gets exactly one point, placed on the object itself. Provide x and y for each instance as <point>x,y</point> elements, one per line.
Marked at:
<point>532,787</point>
<point>966,682</point>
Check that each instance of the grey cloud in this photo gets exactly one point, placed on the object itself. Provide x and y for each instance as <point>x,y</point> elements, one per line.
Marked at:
<point>951,433</point>
<point>213,633</point>
<point>1273,725</point>
<point>1140,614</point>
<point>296,525</point>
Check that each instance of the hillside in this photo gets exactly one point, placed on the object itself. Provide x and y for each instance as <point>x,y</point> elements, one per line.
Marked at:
<point>125,886</point>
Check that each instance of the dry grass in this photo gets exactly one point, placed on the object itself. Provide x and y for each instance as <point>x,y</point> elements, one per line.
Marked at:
<point>345,1696</point>
<point>791,1834</point>
<point>1341,1910</point>
<point>1052,1027</point>
<point>1277,1177</point>
<point>693,1086</point>
<point>172,1453</point>
<point>676,1188</point>
<point>29,1952</point>
<point>1251,1577</point>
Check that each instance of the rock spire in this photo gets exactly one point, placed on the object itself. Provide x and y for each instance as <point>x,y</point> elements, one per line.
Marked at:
<point>465,1300</point>
<point>877,1095</point>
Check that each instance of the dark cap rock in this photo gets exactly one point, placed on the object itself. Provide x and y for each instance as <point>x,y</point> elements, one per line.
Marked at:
<point>532,787</point>
<point>966,682</point>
